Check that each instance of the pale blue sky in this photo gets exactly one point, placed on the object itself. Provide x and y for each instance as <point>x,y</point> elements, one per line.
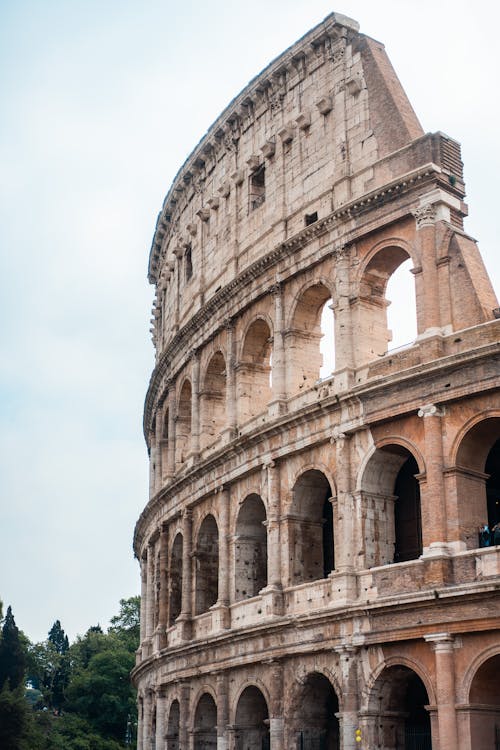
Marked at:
<point>100,104</point>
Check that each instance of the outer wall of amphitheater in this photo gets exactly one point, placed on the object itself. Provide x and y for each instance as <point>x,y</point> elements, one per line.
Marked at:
<point>312,571</point>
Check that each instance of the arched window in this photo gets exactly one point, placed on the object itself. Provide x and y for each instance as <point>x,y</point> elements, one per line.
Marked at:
<point>250,549</point>
<point>254,369</point>
<point>205,724</point>
<point>183,427</point>
<point>252,721</point>
<point>311,534</point>
<point>188,263</point>
<point>402,309</point>
<point>369,310</point>
<point>484,705</point>
<point>390,496</point>
<point>310,339</point>
<point>207,565</point>
<point>173,726</point>
<point>213,400</point>
<point>175,581</point>
<point>315,721</point>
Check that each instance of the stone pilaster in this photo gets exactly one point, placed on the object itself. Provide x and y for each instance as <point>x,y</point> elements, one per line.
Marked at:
<point>224,540</point>
<point>425,217</point>
<point>171,432</point>
<point>163,598</point>
<point>150,591</point>
<point>433,507</point>
<point>344,352</point>
<point>274,584</point>
<point>442,645</point>
<point>158,453</point>
<point>231,411</point>
<point>348,717</point>
<point>222,710</point>
<point>161,727</point>
<point>195,405</point>
<point>185,616</point>
<point>184,717</point>
<point>278,401</point>
<point>147,706</point>
<point>276,720</point>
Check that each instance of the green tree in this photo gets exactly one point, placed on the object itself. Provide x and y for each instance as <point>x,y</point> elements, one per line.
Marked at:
<point>12,654</point>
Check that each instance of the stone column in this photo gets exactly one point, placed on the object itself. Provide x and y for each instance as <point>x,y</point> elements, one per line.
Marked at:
<point>184,717</point>
<point>223,600</point>
<point>222,710</point>
<point>231,412</point>
<point>185,616</point>
<point>278,402</point>
<point>433,511</point>
<point>276,720</point>
<point>171,432</point>
<point>144,579</point>
<point>442,644</point>
<point>158,442</point>
<point>195,405</point>
<point>161,729</point>
<point>348,718</point>
<point>344,353</point>
<point>150,592</point>
<point>274,585</point>
<point>163,603</point>
<point>146,720</point>
<point>425,217</point>
<point>140,721</point>
<point>152,462</point>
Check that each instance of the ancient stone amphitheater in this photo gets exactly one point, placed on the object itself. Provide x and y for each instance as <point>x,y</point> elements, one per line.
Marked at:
<point>312,573</point>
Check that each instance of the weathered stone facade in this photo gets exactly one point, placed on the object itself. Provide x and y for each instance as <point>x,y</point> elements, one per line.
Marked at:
<point>309,552</point>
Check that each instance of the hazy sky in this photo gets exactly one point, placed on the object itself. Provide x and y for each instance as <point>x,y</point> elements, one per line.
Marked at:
<point>101,102</point>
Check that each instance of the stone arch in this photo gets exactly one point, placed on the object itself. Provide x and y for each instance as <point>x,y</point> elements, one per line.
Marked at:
<point>175,580</point>
<point>207,565</point>
<point>251,720</point>
<point>396,713</point>
<point>475,480</point>
<point>483,710</point>
<point>213,399</point>
<point>369,310</point>
<point>389,494</point>
<point>313,713</point>
<point>310,528</point>
<point>250,548</point>
<point>173,725</point>
<point>205,723</point>
<point>253,379</point>
<point>183,424</point>
<point>304,334</point>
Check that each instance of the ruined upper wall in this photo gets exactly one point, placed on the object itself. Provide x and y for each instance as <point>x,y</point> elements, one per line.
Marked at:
<point>301,140</point>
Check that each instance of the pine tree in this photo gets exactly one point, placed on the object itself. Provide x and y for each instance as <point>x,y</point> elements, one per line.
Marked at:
<point>12,656</point>
<point>57,676</point>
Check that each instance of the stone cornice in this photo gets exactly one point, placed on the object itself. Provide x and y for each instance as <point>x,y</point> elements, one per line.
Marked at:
<point>234,290</point>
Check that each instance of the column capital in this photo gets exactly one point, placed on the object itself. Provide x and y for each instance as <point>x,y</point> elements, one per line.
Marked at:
<point>426,215</point>
<point>442,642</point>
<point>430,410</point>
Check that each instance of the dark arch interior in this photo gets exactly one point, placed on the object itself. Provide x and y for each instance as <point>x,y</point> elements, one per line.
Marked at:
<point>173,726</point>
<point>313,552</point>
<point>317,724</point>
<point>205,724</point>
<point>493,485</point>
<point>399,700</point>
<point>407,518</point>
<point>250,548</point>
<point>252,721</point>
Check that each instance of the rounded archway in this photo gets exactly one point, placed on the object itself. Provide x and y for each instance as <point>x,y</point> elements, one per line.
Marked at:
<point>252,721</point>
<point>213,400</point>
<point>173,726</point>
<point>315,722</point>
<point>183,426</point>
<point>306,347</point>
<point>175,581</point>
<point>477,483</point>
<point>250,549</point>
<point>205,724</point>
<point>311,532</point>
<point>207,565</point>
<point>398,718</point>
<point>390,496</point>
<point>484,705</point>
<point>254,371</point>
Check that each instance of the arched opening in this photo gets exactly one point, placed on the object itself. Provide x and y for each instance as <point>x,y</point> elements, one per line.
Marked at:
<point>311,533</point>
<point>370,308</point>
<point>175,581</point>
<point>391,518</point>
<point>254,371</point>
<point>183,428</point>
<point>164,443</point>
<point>173,726</point>
<point>484,706</point>
<point>399,719</point>
<point>207,565</point>
<point>205,724</point>
<point>213,400</point>
<point>309,339</point>
<point>402,309</point>
<point>252,721</point>
<point>316,722</point>
<point>327,343</point>
<point>250,549</point>
<point>477,484</point>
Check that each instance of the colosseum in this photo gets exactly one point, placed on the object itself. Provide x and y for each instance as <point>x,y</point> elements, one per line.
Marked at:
<point>319,559</point>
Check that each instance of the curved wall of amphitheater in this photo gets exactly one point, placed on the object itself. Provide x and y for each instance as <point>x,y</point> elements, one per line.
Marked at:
<point>312,574</point>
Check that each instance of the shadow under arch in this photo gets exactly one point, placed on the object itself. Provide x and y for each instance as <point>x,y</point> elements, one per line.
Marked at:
<point>251,720</point>
<point>313,713</point>
<point>389,492</point>
<point>253,372</point>
<point>205,723</point>
<point>213,399</point>
<point>250,548</point>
